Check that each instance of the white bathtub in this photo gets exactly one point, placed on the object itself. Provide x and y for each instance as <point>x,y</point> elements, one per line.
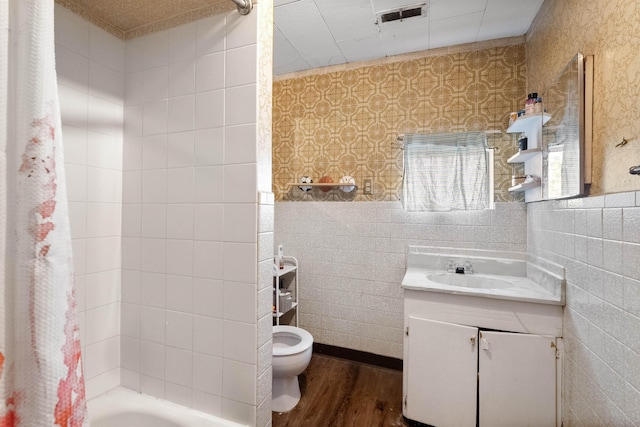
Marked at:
<point>122,407</point>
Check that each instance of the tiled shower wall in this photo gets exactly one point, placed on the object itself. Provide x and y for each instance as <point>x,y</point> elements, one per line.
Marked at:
<point>90,66</point>
<point>190,215</point>
<point>352,260</point>
<point>345,120</point>
<point>597,240</point>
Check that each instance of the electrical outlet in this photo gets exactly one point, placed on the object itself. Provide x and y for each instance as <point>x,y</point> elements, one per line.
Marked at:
<point>368,187</point>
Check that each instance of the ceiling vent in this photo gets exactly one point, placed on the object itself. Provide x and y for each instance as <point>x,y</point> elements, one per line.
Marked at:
<point>399,14</point>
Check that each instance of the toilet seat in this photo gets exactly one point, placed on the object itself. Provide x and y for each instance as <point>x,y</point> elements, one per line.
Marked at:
<point>306,340</point>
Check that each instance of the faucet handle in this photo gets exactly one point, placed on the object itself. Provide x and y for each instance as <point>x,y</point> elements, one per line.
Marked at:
<point>468,267</point>
<point>451,266</point>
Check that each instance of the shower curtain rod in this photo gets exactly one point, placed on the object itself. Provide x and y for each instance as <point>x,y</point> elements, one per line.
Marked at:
<point>244,6</point>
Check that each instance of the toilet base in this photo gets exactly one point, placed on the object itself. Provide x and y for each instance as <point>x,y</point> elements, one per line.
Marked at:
<point>285,394</point>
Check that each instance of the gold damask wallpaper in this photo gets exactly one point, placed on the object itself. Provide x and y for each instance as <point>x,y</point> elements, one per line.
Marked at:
<point>346,120</point>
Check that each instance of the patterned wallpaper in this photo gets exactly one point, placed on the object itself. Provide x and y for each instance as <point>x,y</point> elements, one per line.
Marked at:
<point>606,30</point>
<point>346,122</point>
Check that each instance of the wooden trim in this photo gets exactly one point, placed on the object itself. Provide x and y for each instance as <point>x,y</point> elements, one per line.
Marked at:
<point>358,356</point>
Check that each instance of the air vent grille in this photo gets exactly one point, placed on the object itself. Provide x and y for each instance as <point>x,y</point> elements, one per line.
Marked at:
<point>416,10</point>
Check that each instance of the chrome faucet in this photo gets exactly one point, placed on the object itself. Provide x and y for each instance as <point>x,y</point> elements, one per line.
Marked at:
<point>466,268</point>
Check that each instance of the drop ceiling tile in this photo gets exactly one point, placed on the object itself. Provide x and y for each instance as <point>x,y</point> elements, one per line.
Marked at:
<point>505,18</point>
<point>286,58</point>
<point>442,9</point>
<point>362,49</point>
<point>456,30</point>
<point>353,23</point>
<point>406,36</point>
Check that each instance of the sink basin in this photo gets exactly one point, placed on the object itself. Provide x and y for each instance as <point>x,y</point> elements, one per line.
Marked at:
<point>468,281</point>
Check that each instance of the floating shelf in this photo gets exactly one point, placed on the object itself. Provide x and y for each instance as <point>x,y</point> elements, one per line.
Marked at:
<point>528,122</point>
<point>323,184</point>
<point>524,155</point>
<point>524,186</point>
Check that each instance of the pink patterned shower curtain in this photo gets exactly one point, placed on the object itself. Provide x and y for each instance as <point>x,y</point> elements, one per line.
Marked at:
<point>41,380</point>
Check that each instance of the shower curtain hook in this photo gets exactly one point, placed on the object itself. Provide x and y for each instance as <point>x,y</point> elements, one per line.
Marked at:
<point>244,6</point>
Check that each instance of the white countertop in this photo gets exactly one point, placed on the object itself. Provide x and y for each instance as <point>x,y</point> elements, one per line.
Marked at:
<point>522,289</point>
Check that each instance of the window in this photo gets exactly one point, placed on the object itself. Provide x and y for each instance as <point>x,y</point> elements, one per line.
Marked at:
<point>447,171</point>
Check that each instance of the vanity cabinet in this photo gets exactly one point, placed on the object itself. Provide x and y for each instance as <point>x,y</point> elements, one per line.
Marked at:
<point>471,361</point>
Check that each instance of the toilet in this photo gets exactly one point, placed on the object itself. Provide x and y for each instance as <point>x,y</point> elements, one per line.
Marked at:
<point>292,349</point>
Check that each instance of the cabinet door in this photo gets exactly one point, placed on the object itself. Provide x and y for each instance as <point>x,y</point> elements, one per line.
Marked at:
<point>517,380</point>
<point>442,373</point>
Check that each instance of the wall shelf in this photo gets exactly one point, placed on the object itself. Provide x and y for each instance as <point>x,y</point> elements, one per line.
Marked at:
<point>324,184</point>
<point>524,186</point>
<point>524,155</point>
<point>285,280</point>
<point>527,123</point>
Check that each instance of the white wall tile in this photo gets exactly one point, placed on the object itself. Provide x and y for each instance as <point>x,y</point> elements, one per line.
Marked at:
<point>106,48</point>
<point>72,69</point>
<point>155,84</point>
<point>74,107</point>
<point>102,288</point>
<point>154,186</point>
<point>240,302</point>
<point>131,253</point>
<point>180,257</point>
<point>133,121</point>
<point>130,322</point>
<point>153,289</point>
<point>240,262</point>
<point>240,145</point>
<point>241,66</point>
<point>240,105</point>
<point>208,297</point>
<point>244,227</point>
<point>209,147</point>
<point>239,382</point>
<point>103,219</point>
<point>102,323</point>
<point>208,335</point>
<point>104,151</point>
<point>182,42</point>
<point>154,220</point>
<point>180,293</point>
<point>130,353</point>
<point>106,83</point>
<point>102,357</point>
<point>180,149</point>
<point>180,221</point>
<point>181,113</point>
<point>240,342</point>
<point>240,31</point>
<point>105,116</point>
<point>207,373</point>
<point>210,109</point>
<point>132,189</point>
<point>152,327</point>
<point>153,255</point>
<point>179,366</point>
<point>152,359</point>
<point>104,185</point>
<point>154,152</point>
<point>104,254</point>
<point>210,72</point>
<point>207,184</point>
<point>209,222</point>
<point>240,183</point>
<point>210,34</point>
<point>179,330</point>
<point>182,78</point>
<point>180,185</point>
<point>155,115</point>
<point>208,260</point>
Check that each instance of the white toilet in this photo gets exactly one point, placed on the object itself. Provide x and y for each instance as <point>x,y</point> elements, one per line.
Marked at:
<point>292,348</point>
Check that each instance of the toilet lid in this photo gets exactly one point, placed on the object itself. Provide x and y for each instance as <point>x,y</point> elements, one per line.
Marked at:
<point>306,340</point>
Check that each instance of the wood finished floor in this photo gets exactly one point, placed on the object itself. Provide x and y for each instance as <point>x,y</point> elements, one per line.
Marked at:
<point>341,393</point>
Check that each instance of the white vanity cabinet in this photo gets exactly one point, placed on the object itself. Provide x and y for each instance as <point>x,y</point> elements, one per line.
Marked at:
<point>474,361</point>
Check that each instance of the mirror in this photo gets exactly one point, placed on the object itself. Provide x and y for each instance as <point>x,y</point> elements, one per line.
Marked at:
<point>563,137</point>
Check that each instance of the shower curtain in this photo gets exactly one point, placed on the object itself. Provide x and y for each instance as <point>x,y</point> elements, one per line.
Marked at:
<point>41,380</point>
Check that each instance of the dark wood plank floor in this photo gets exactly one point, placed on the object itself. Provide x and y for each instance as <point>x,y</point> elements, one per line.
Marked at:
<point>341,393</point>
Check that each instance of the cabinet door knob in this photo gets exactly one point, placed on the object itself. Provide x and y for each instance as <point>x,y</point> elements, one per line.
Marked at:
<point>472,340</point>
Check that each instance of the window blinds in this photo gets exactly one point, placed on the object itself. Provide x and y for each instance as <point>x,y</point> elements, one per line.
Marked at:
<point>445,172</point>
